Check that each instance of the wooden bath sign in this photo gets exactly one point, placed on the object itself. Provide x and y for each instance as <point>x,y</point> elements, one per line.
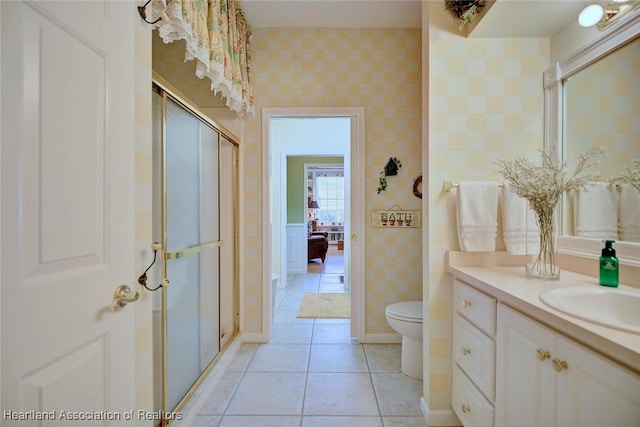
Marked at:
<point>396,219</point>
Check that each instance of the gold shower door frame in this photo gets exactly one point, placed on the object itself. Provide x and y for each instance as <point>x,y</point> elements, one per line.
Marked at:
<point>168,91</point>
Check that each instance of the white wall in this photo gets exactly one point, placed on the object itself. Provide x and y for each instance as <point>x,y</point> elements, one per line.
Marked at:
<point>572,38</point>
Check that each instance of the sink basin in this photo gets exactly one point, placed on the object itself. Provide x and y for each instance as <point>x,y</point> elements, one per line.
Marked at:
<point>612,307</point>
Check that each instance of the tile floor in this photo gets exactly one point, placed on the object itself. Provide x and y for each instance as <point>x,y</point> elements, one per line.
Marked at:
<point>312,374</point>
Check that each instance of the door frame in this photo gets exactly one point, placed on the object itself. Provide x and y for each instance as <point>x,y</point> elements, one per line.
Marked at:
<point>354,246</point>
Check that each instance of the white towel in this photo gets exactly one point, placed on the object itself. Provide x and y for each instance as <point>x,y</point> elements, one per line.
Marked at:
<point>595,211</point>
<point>629,213</point>
<point>477,215</point>
<point>519,228</point>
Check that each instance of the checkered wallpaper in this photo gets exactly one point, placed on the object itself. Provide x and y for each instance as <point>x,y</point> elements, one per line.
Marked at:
<point>603,103</point>
<point>333,67</point>
<point>143,208</point>
<point>485,103</point>
<point>338,67</point>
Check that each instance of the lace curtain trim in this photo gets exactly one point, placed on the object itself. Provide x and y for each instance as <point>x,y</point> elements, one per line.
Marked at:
<point>217,37</point>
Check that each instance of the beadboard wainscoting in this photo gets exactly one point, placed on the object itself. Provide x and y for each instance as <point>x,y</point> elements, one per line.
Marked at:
<point>296,248</point>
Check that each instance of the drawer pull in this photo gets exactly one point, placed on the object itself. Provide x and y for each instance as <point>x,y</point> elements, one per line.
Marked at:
<point>466,350</point>
<point>466,303</point>
<point>466,409</point>
<point>559,365</point>
<point>542,354</point>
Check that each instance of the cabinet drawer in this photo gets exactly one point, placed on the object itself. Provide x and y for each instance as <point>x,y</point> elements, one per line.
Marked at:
<point>473,409</point>
<point>478,308</point>
<point>475,353</point>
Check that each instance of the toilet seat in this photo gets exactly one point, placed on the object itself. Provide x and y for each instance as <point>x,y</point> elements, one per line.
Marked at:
<point>408,311</point>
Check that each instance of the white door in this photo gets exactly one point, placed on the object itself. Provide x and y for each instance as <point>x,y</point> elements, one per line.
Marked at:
<point>593,391</point>
<point>67,199</point>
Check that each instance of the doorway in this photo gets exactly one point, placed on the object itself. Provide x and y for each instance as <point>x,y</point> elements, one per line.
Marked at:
<point>314,131</point>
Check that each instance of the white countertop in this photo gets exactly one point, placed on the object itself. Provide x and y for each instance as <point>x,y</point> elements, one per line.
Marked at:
<point>510,286</point>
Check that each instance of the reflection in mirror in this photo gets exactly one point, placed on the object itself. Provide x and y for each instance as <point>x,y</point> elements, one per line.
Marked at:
<point>602,109</point>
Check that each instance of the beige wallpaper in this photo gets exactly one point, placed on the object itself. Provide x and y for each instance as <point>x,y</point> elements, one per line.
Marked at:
<point>168,61</point>
<point>602,104</point>
<point>144,326</point>
<point>378,69</point>
<point>485,103</point>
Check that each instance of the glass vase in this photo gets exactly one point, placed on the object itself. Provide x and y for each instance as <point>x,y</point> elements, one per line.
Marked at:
<point>541,260</point>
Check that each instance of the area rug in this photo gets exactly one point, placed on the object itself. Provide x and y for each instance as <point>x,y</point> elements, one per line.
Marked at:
<point>325,305</point>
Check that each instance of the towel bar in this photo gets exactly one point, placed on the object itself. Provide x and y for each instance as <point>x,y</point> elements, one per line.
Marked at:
<point>448,185</point>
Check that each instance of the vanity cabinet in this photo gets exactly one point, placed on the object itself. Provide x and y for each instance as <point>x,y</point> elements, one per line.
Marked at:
<point>474,329</point>
<point>545,379</point>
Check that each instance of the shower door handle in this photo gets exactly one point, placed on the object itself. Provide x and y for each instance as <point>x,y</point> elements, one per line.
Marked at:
<point>123,296</point>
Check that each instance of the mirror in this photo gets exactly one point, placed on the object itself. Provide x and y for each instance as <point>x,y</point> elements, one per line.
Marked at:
<point>568,133</point>
<point>602,109</point>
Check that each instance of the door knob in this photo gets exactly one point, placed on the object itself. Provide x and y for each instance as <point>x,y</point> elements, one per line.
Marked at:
<point>123,296</point>
<point>542,355</point>
<point>559,365</point>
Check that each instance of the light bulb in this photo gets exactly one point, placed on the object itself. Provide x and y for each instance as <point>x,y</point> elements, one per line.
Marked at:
<point>590,15</point>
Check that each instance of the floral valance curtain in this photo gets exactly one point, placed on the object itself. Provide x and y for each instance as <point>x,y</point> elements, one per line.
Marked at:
<point>217,37</point>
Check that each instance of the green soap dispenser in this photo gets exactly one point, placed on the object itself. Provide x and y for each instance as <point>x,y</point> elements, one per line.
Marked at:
<point>609,265</point>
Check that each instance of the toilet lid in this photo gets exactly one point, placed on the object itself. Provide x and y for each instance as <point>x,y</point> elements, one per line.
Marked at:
<point>410,311</point>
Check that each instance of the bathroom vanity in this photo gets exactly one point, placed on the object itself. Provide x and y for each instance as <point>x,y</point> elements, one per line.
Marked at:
<point>517,361</point>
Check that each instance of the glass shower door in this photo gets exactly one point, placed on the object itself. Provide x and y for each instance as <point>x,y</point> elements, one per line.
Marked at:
<point>191,248</point>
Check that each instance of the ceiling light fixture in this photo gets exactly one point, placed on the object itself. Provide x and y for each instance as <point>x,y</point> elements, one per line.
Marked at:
<point>604,16</point>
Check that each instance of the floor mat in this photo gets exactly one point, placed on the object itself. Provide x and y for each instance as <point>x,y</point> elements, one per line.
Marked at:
<point>325,305</point>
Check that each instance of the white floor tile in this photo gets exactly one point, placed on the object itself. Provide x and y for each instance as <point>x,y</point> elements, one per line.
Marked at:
<point>262,421</point>
<point>397,394</point>
<point>404,421</point>
<point>322,321</point>
<point>339,394</point>
<point>384,357</point>
<point>315,421</point>
<point>332,334</point>
<point>337,358</point>
<point>331,287</point>
<point>312,374</point>
<point>290,316</point>
<point>288,333</point>
<point>205,421</point>
<point>268,393</point>
<point>243,357</point>
<point>280,358</point>
<point>216,401</point>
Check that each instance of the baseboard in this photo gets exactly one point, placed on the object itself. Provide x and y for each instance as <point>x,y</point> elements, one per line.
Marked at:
<point>439,417</point>
<point>253,337</point>
<point>382,339</point>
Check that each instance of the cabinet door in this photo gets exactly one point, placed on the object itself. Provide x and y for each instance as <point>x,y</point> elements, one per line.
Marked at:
<point>593,392</point>
<point>525,393</point>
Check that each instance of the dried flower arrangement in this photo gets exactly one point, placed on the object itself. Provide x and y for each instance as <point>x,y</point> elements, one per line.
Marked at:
<point>542,186</point>
<point>463,9</point>
<point>630,176</point>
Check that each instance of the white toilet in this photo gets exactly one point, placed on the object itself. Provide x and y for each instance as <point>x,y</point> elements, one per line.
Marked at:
<point>406,319</point>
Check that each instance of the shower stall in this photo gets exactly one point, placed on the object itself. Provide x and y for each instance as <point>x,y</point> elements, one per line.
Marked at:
<point>195,311</point>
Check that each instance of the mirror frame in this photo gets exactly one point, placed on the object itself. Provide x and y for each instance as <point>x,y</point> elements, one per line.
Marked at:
<point>611,39</point>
